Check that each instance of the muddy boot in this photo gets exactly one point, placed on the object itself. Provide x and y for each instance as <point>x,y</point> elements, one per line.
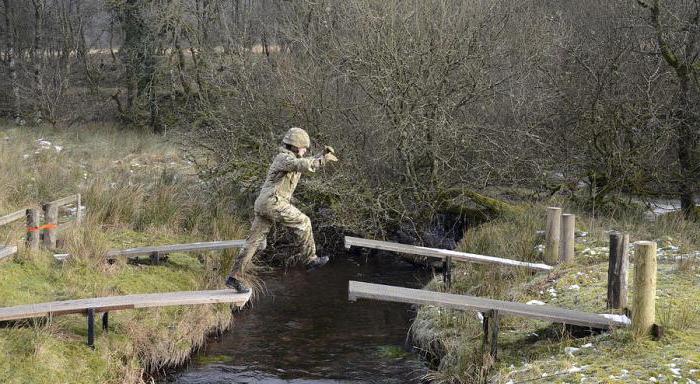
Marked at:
<point>237,285</point>
<point>316,263</point>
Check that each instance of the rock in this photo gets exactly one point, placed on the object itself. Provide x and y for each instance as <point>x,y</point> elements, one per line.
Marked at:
<point>571,350</point>
<point>535,302</point>
<point>574,287</point>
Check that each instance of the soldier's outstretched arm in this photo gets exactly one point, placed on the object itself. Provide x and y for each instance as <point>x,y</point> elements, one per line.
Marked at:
<point>289,163</point>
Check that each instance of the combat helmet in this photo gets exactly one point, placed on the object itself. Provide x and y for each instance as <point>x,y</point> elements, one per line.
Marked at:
<point>297,137</point>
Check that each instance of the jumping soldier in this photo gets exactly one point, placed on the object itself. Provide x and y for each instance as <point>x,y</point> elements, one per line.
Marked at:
<point>273,205</point>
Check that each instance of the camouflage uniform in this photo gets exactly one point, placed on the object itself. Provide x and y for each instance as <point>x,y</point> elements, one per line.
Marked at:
<point>273,205</point>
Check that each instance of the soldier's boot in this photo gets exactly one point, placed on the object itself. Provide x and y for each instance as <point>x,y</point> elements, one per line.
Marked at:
<point>236,284</point>
<point>316,263</point>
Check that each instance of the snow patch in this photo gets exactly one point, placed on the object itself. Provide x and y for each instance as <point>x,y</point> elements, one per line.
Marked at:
<point>618,318</point>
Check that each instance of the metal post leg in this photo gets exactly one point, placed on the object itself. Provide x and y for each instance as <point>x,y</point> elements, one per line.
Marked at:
<point>447,272</point>
<point>91,327</point>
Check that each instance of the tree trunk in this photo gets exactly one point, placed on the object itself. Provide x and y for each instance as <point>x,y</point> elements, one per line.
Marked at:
<point>37,56</point>
<point>12,64</point>
<point>687,142</point>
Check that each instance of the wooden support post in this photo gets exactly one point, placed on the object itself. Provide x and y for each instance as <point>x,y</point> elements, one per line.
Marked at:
<point>155,258</point>
<point>33,217</point>
<point>78,212</point>
<point>51,223</point>
<point>91,327</point>
<point>489,346</point>
<point>568,230</point>
<point>447,272</point>
<point>617,270</point>
<point>552,236</point>
<point>105,322</point>
<point>643,309</point>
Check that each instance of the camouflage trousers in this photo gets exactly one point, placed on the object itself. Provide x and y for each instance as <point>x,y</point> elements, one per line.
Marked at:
<point>285,214</point>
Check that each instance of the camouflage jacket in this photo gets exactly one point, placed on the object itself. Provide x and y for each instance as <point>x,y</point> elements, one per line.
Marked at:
<point>283,177</point>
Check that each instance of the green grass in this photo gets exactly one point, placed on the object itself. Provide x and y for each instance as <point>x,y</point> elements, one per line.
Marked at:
<point>535,351</point>
<point>139,191</point>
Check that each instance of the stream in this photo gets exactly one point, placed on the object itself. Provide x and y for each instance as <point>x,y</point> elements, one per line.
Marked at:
<point>302,329</point>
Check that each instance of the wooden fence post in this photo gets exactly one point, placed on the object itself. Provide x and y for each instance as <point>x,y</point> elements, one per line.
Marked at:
<point>51,223</point>
<point>643,309</point>
<point>552,236</point>
<point>33,217</point>
<point>489,344</point>
<point>617,270</point>
<point>568,238</point>
<point>78,213</point>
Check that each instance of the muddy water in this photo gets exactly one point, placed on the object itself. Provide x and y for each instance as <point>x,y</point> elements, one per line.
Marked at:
<point>304,330</point>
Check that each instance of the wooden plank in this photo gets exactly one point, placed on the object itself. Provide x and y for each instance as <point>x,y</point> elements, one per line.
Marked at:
<point>7,251</point>
<point>66,200</point>
<point>463,302</point>
<point>192,247</point>
<point>440,253</point>
<point>113,303</point>
<point>14,216</point>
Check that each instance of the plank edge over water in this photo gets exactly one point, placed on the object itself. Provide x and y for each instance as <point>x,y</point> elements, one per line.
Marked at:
<point>439,253</point>
<point>189,247</point>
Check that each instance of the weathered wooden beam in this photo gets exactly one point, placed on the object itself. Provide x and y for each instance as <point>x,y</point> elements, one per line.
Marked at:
<point>33,231</point>
<point>618,265</point>
<point>359,290</point>
<point>568,238</point>
<point>78,210</point>
<point>12,217</point>
<point>489,346</point>
<point>165,249</point>
<point>65,200</point>
<point>644,302</point>
<point>114,303</point>
<point>50,225</point>
<point>7,251</point>
<point>440,253</point>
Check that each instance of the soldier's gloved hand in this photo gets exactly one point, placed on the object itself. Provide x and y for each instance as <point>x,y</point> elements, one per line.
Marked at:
<point>329,154</point>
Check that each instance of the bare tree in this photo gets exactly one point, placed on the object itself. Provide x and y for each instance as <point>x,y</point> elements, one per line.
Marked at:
<point>678,37</point>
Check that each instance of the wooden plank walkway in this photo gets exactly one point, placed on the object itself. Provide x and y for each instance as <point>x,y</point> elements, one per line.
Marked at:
<point>72,199</point>
<point>359,290</point>
<point>7,251</point>
<point>14,216</point>
<point>165,249</point>
<point>112,303</point>
<point>440,253</point>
